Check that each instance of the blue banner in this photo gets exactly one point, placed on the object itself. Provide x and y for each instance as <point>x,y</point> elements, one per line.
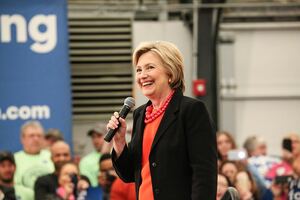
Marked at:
<point>34,68</point>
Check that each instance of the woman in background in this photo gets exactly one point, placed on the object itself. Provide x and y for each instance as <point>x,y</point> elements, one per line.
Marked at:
<point>69,186</point>
<point>225,143</point>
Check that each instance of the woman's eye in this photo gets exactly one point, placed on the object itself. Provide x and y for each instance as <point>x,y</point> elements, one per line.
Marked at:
<point>150,67</point>
<point>138,70</point>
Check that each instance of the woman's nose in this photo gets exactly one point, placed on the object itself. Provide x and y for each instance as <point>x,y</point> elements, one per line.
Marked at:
<point>144,73</point>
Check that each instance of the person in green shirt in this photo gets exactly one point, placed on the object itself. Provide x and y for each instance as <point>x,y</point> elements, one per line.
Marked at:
<point>32,161</point>
<point>8,189</point>
<point>89,164</point>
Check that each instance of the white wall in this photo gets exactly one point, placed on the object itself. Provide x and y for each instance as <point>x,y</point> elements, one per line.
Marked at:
<point>172,31</point>
<point>264,66</point>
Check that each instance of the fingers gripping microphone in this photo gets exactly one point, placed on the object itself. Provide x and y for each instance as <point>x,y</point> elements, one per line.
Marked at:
<point>129,103</point>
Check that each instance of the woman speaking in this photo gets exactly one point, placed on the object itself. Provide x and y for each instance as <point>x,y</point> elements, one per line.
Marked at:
<point>172,154</point>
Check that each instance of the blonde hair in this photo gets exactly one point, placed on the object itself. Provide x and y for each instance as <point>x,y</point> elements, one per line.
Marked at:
<point>170,56</point>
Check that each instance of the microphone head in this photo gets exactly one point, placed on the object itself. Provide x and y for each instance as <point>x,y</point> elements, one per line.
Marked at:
<point>130,102</point>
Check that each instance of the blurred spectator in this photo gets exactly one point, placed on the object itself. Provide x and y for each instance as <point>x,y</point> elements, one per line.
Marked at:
<point>8,190</point>
<point>229,169</point>
<point>52,136</point>
<point>294,184</point>
<point>32,161</point>
<point>290,151</point>
<point>89,165</point>
<point>70,187</point>
<point>47,184</point>
<point>223,184</point>
<point>225,142</point>
<point>246,186</point>
<point>262,146</point>
<point>113,187</point>
<point>241,178</point>
<point>286,187</point>
<point>107,175</point>
<point>282,187</point>
<point>255,146</point>
<point>258,162</point>
<point>295,138</point>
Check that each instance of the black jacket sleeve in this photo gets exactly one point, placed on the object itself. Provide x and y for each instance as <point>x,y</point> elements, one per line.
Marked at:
<point>202,151</point>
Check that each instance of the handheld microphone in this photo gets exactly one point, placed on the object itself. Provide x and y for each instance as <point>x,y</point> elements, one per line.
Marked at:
<point>129,103</point>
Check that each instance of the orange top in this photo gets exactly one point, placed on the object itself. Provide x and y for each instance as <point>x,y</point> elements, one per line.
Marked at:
<point>120,190</point>
<point>145,191</point>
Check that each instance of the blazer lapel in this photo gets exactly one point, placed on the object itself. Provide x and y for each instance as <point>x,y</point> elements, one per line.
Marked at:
<point>169,116</point>
<point>140,126</point>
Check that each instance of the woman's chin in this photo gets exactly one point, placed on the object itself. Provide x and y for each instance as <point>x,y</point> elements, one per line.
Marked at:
<point>148,92</point>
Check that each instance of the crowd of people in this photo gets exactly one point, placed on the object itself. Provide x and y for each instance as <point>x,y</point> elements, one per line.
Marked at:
<point>45,169</point>
<point>256,174</point>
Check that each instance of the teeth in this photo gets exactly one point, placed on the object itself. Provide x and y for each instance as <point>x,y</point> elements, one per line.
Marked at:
<point>147,83</point>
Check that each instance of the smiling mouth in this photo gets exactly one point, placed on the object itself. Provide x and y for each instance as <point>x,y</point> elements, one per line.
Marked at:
<point>147,83</point>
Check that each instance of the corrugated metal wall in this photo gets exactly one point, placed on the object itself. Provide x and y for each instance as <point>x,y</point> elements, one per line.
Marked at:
<point>100,54</point>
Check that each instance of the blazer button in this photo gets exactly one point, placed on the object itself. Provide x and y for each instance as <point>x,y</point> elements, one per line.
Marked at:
<point>154,164</point>
<point>156,191</point>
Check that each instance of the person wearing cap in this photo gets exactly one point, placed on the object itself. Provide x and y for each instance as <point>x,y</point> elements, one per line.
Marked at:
<point>89,164</point>
<point>32,161</point>
<point>8,190</point>
<point>52,136</point>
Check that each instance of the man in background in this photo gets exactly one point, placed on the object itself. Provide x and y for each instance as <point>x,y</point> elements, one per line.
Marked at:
<point>112,186</point>
<point>8,190</point>
<point>46,185</point>
<point>32,161</point>
<point>89,165</point>
<point>52,136</point>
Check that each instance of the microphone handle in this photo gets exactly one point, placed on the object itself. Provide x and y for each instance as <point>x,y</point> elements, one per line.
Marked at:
<point>111,133</point>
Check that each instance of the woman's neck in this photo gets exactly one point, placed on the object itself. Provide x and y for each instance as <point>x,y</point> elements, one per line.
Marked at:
<point>158,102</point>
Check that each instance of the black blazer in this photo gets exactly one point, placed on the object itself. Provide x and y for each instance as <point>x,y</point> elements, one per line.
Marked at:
<point>183,157</point>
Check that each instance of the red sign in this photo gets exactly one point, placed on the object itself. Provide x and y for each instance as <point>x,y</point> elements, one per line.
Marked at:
<point>199,87</point>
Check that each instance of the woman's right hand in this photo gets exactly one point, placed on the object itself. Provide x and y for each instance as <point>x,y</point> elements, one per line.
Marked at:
<point>119,140</point>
